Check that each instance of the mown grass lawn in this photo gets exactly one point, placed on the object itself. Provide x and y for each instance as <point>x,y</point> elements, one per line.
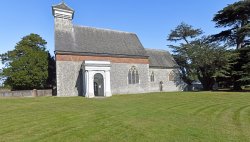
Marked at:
<point>179,116</point>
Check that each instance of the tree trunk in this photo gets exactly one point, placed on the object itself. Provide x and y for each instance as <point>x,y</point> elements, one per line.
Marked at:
<point>207,83</point>
<point>208,86</point>
<point>206,80</point>
<point>239,45</point>
<point>237,86</point>
<point>240,38</point>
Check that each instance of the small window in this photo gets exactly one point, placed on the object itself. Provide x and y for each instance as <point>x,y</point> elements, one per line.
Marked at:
<point>152,77</point>
<point>133,76</point>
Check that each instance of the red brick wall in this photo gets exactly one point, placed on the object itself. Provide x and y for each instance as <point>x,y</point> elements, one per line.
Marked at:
<point>60,57</point>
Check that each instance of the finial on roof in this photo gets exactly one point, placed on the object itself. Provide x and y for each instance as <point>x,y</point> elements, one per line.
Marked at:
<point>62,5</point>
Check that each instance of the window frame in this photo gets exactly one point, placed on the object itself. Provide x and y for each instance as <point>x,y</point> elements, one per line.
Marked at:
<point>133,76</point>
<point>173,75</point>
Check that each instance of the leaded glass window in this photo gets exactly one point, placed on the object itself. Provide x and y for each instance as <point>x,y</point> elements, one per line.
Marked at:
<point>133,76</point>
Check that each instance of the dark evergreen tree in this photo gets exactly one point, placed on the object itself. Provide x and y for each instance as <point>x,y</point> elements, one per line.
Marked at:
<point>198,57</point>
<point>26,65</point>
<point>243,65</point>
<point>211,61</point>
<point>183,32</point>
<point>236,17</point>
<point>51,81</point>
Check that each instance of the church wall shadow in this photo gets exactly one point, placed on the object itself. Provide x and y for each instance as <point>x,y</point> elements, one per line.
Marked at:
<point>80,83</point>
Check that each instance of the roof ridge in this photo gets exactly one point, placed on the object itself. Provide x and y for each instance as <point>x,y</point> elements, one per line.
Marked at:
<point>103,29</point>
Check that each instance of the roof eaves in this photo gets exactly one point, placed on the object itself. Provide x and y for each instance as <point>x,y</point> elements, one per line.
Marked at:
<point>163,67</point>
<point>99,54</point>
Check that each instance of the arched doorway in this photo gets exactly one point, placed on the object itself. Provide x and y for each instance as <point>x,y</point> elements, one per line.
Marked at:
<point>98,85</point>
<point>161,86</point>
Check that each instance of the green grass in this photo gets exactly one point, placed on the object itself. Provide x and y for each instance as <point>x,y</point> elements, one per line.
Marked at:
<point>183,116</point>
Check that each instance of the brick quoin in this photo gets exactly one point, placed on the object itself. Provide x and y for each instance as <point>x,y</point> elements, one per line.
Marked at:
<point>102,58</point>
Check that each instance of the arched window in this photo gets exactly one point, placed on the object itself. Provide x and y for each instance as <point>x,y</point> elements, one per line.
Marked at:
<point>133,76</point>
<point>152,77</point>
<point>173,76</point>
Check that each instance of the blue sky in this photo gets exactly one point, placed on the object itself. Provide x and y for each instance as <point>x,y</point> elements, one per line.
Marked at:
<point>151,20</point>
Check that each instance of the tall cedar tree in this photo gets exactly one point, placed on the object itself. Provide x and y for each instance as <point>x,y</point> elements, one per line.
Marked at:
<point>236,17</point>
<point>27,65</point>
<point>183,32</point>
<point>199,59</point>
<point>210,61</point>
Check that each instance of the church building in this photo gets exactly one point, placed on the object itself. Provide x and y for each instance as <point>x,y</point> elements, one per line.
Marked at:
<point>94,62</point>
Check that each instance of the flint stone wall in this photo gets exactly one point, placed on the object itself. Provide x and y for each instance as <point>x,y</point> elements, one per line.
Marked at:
<point>119,78</point>
<point>25,93</point>
<point>70,79</point>
<point>163,75</point>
